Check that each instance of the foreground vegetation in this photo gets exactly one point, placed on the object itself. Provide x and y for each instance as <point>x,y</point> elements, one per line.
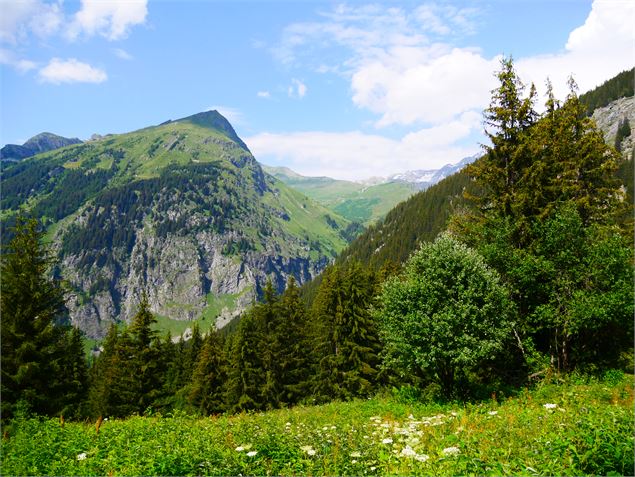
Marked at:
<point>576,428</point>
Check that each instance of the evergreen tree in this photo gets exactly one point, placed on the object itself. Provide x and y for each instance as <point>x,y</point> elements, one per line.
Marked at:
<point>207,393</point>
<point>294,359</point>
<point>33,345</point>
<point>246,376</point>
<point>145,358</point>
<point>347,336</point>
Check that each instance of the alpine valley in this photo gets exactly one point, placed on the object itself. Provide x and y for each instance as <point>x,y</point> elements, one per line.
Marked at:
<point>181,212</point>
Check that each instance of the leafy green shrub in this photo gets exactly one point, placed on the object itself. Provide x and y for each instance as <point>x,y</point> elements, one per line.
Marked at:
<point>448,314</point>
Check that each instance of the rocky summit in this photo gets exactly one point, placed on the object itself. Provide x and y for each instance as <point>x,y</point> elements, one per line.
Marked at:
<point>181,211</point>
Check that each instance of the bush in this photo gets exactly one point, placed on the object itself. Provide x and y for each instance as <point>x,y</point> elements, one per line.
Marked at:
<point>446,316</point>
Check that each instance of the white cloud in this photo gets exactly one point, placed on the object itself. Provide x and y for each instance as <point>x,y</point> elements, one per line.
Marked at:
<point>355,155</point>
<point>111,19</point>
<point>297,89</point>
<point>264,94</point>
<point>8,58</point>
<point>19,18</point>
<point>597,50</point>
<point>71,71</point>
<point>122,54</point>
<point>402,64</point>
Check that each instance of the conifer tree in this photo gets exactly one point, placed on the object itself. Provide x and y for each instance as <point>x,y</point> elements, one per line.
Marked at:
<point>207,394</point>
<point>245,380</point>
<point>145,359</point>
<point>294,359</point>
<point>34,346</point>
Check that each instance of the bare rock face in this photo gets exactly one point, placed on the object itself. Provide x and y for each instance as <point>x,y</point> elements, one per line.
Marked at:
<point>609,117</point>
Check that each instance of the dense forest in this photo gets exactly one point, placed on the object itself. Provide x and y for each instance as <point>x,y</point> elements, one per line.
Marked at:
<point>533,275</point>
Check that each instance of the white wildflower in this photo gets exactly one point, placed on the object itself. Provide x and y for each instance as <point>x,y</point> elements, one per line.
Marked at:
<point>451,450</point>
<point>252,453</point>
<point>550,406</point>
<point>492,413</point>
<point>388,440</point>
<point>240,449</point>
<point>308,449</point>
<point>356,454</point>
<point>422,457</point>
<point>353,461</point>
<point>81,456</point>
<point>408,452</point>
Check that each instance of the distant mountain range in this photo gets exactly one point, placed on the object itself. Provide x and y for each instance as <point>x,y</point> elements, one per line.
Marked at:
<point>43,142</point>
<point>368,200</point>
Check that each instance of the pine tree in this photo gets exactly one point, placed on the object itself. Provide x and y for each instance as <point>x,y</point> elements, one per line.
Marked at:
<point>207,394</point>
<point>347,337</point>
<point>33,344</point>
<point>294,360</point>
<point>145,358</point>
<point>246,376</point>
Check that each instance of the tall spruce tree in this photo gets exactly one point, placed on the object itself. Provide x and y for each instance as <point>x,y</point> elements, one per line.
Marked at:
<point>347,336</point>
<point>34,344</point>
<point>207,393</point>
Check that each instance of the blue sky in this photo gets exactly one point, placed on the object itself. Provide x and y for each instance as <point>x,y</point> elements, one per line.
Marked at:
<point>349,90</point>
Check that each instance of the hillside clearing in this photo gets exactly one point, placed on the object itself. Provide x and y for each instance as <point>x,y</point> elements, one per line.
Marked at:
<point>572,429</point>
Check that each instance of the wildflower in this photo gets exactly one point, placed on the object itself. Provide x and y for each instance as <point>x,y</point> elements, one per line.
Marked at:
<point>353,461</point>
<point>356,454</point>
<point>451,450</point>
<point>454,414</point>
<point>550,406</point>
<point>288,424</point>
<point>308,449</point>
<point>408,452</point>
<point>240,449</point>
<point>492,413</point>
<point>373,468</point>
<point>81,456</point>
<point>422,457</point>
<point>252,453</point>
<point>388,440</point>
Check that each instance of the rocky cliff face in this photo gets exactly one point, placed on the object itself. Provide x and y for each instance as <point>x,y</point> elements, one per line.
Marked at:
<point>181,212</point>
<point>608,119</point>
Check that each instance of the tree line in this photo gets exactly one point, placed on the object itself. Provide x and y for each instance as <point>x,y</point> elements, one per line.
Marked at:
<point>533,275</point>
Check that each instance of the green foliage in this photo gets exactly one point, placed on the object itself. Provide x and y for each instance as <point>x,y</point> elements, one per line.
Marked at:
<point>623,131</point>
<point>208,379</point>
<point>42,361</point>
<point>620,86</point>
<point>446,316</point>
<point>346,335</point>
<point>588,432</point>
<point>416,220</point>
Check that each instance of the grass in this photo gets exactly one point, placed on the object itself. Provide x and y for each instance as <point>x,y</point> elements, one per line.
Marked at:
<point>587,429</point>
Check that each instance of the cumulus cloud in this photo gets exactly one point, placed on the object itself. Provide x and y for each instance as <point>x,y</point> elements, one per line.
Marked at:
<point>297,89</point>
<point>594,52</point>
<point>8,58</point>
<point>19,18</point>
<point>111,19</point>
<point>60,71</point>
<point>264,94</point>
<point>356,155</point>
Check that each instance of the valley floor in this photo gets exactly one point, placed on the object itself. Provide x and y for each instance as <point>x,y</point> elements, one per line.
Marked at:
<point>565,429</point>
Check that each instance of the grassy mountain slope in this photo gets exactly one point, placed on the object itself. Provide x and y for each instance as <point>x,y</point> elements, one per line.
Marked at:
<point>356,202</point>
<point>181,211</point>
<point>586,429</point>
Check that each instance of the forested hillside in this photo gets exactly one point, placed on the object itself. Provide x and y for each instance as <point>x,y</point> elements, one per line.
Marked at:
<point>534,279</point>
<point>181,211</point>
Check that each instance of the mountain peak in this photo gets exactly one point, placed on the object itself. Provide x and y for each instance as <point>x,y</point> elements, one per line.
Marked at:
<point>214,120</point>
<point>39,143</point>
